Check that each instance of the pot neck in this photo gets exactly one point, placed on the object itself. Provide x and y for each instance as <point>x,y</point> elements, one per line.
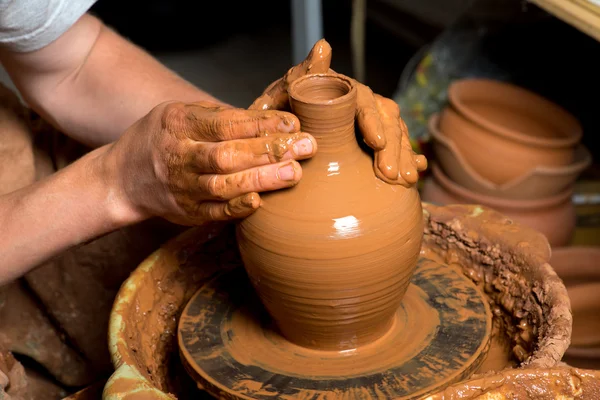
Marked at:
<point>325,104</point>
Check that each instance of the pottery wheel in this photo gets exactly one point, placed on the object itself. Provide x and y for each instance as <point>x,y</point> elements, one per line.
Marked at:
<point>231,348</point>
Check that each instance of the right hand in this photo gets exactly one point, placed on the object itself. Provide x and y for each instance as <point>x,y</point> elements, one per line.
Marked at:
<point>199,162</point>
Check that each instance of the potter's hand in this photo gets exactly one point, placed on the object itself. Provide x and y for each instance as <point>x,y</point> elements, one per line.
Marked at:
<point>385,132</point>
<point>378,119</point>
<point>192,163</point>
<point>275,96</point>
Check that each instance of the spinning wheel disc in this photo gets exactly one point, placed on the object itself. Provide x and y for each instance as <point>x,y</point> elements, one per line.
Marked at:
<point>231,348</point>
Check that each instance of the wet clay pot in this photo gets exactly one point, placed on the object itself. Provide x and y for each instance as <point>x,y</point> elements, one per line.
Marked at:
<point>553,216</point>
<point>537,183</point>
<point>331,258</point>
<point>504,131</point>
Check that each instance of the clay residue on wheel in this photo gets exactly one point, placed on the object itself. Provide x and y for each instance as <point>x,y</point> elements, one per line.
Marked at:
<point>560,382</point>
<point>510,263</point>
<point>153,307</point>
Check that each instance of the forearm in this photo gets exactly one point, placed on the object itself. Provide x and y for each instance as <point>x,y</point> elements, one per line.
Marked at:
<point>70,207</point>
<point>93,84</point>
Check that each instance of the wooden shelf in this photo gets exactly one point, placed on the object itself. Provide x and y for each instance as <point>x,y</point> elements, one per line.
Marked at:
<point>582,14</point>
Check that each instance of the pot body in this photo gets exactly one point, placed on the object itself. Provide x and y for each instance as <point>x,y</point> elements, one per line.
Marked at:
<point>332,257</point>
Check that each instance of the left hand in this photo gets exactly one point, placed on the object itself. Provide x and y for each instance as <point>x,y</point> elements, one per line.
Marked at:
<point>378,119</point>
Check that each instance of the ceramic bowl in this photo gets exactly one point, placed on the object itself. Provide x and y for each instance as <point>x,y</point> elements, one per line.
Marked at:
<point>552,216</point>
<point>504,131</point>
<point>579,268</point>
<point>539,182</point>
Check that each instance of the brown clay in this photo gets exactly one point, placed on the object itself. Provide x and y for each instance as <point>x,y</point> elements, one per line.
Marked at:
<point>585,304</point>
<point>510,263</point>
<point>560,382</point>
<point>553,216</point>
<point>539,182</point>
<point>578,266</point>
<point>504,131</point>
<point>331,258</point>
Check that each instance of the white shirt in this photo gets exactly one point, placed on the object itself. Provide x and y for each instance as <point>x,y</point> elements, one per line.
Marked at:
<point>28,25</point>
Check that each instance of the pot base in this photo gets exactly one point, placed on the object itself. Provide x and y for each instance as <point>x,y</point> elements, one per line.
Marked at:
<point>440,335</point>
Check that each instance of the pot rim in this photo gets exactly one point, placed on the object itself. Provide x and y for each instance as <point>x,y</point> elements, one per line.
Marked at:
<point>583,159</point>
<point>293,89</point>
<point>505,204</point>
<point>459,88</point>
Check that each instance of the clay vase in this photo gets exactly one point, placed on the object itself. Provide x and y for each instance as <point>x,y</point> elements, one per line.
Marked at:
<point>332,257</point>
<point>504,131</point>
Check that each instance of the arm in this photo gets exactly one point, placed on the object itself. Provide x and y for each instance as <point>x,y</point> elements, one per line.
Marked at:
<point>68,208</point>
<point>190,161</point>
<point>92,84</point>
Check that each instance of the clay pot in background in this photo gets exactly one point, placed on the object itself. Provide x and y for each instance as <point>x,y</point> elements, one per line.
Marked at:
<point>504,131</point>
<point>577,264</point>
<point>331,258</point>
<point>538,182</point>
<point>552,216</point>
<point>579,268</point>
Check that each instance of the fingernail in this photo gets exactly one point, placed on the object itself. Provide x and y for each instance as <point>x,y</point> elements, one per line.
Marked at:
<point>303,147</point>
<point>287,124</point>
<point>286,172</point>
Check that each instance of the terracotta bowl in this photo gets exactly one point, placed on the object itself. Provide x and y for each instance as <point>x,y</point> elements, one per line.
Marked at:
<point>504,131</point>
<point>552,216</point>
<point>530,302</point>
<point>539,182</point>
<point>579,268</point>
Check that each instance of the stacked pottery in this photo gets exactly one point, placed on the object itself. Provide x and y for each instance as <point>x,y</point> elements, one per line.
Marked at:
<point>504,147</point>
<point>579,268</point>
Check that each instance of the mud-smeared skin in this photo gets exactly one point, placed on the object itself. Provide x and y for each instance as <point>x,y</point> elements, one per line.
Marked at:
<point>151,300</point>
<point>332,257</point>
<point>203,156</point>
<point>378,119</point>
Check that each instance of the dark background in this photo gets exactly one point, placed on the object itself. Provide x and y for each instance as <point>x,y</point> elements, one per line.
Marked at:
<point>252,40</point>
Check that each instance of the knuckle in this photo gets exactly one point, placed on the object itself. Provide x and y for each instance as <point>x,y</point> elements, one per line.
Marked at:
<point>173,115</point>
<point>259,179</point>
<point>213,212</point>
<point>217,187</point>
<point>391,107</point>
<point>221,158</point>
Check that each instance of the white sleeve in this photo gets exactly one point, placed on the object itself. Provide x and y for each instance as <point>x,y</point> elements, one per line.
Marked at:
<point>28,25</point>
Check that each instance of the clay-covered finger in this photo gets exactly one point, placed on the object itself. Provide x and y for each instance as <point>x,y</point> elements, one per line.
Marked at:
<point>260,179</point>
<point>317,61</point>
<point>369,118</point>
<point>236,208</point>
<point>387,159</point>
<point>238,155</point>
<point>236,123</point>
